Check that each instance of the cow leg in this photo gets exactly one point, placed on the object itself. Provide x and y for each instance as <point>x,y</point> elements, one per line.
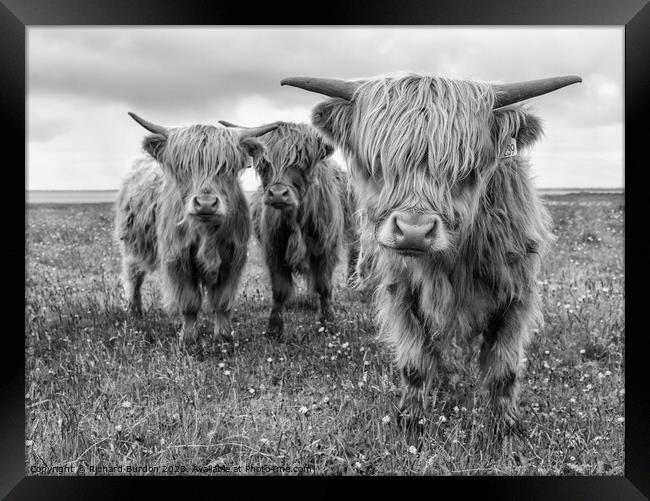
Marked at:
<point>282,286</point>
<point>182,293</point>
<point>221,298</point>
<point>417,375</point>
<point>133,277</point>
<point>500,357</point>
<point>322,269</point>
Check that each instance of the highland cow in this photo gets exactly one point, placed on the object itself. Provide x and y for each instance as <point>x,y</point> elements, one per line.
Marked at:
<point>182,211</point>
<point>456,226</point>
<point>302,213</point>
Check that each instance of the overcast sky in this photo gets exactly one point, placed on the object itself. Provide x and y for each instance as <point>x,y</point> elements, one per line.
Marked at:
<point>82,82</point>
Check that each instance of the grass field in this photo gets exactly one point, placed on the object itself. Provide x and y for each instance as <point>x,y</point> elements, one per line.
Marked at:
<point>103,390</point>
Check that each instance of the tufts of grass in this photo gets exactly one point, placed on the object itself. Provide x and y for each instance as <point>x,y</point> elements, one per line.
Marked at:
<point>104,389</point>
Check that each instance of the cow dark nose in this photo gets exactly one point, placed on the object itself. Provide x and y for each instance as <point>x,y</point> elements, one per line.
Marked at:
<point>277,194</point>
<point>205,204</point>
<point>416,232</point>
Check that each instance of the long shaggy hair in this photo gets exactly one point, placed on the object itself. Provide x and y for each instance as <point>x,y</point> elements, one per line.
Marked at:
<point>155,230</point>
<point>307,237</point>
<point>432,145</point>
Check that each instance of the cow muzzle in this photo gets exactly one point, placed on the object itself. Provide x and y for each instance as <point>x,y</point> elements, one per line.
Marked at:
<point>411,234</point>
<point>279,196</point>
<point>206,207</point>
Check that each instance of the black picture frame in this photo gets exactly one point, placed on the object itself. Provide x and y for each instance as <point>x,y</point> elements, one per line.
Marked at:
<point>17,15</point>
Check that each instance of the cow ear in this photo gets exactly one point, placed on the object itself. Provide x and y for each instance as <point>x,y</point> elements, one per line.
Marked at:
<point>254,148</point>
<point>154,144</point>
<point>332,118</point>
<point>519,123</point>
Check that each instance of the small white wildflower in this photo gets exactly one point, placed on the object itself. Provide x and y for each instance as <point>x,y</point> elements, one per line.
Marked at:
<point>251,390</point>
<point>412,449</point>
<point>321,329</point>
<point>269,360</point>
<point>221,365</point>
<point>442,419</point>
<point>422,421</point>
<point>29,443</point>
<point>357,465</point>
<point>265,441</point>
<point>385,419</point>
<point>582,352</point>
<point>608,373</point>
<point>345,345</point>
<point>366,362</point>
<point>325,400</point>
<point>126,404</point>
<point>226,373</point>
<point>572,400</point>
<point>303,410</point>
<point>620,419</point>
<point>118,427</point>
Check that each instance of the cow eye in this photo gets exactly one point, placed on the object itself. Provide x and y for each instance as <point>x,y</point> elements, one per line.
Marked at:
<point>262,168</point>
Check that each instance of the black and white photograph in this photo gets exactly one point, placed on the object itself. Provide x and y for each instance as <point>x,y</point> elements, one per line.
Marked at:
<point>325,250</point>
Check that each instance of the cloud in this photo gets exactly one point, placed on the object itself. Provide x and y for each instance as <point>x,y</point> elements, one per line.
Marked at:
<point>81,81</point>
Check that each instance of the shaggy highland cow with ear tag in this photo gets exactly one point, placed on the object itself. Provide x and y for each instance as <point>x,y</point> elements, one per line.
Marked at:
<point>456,228</point>
<point>303,212</point>
<point>182,211</point>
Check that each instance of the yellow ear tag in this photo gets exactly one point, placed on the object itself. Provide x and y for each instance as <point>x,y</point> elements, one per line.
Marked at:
<point>510,149</point>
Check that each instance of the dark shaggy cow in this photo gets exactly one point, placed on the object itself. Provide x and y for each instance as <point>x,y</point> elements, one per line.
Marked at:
<point>456,225</point>
<point>302,215</point>
<point>181,210</point>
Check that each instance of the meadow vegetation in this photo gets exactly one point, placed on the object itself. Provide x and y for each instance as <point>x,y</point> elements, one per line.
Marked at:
<point>103,389</point>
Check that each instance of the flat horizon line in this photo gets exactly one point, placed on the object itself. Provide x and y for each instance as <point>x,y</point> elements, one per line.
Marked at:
<point>587,188</point>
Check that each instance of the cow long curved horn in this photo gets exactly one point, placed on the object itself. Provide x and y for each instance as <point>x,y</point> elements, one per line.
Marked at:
<point>506,94</point>
<point>245,132</point>
<point>231,125</point>
<point>332,87</point>
<point>151,127</point>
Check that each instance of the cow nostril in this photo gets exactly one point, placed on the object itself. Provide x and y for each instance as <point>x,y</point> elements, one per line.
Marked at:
<point>431,234</point>
<point>216,202</point>
<point>196,202</point>
<point>285,193</point>
<point>397,231</point>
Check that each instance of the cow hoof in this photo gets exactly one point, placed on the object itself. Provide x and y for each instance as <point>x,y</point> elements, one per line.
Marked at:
<point>326,318</point>
<point>187,336</point>
<point>505,426</point>
<point>412,424</point>
<point>135,311</point>
<point>275,328</point>
<point>224,336</point>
